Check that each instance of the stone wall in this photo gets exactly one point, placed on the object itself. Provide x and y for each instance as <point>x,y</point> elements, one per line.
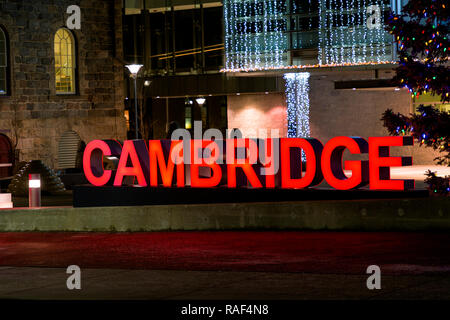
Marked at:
<point>33,114</point>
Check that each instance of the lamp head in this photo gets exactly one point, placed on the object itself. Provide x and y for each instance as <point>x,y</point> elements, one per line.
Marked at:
<point>200,101</point>
<point>134,69</point>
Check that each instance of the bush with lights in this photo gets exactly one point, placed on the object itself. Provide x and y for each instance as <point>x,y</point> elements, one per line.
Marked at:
<point>437,185</point>
<point>421,33</point>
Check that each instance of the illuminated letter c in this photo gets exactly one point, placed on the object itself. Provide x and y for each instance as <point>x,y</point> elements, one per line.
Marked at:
<point>93,160</point>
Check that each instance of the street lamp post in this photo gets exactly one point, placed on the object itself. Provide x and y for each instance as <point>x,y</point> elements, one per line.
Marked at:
<point>134,70</point>
<point>201,101</point>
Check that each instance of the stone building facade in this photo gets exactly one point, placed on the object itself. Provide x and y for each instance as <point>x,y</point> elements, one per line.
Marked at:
<point>32,115</point>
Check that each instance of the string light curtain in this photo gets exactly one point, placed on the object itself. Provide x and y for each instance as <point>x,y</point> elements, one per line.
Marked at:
<point>297,101</point>
<point>255,34</point>
<point>352,32</point>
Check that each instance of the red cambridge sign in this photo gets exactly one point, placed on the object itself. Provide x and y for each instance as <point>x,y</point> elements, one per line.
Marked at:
<point>259,163</point>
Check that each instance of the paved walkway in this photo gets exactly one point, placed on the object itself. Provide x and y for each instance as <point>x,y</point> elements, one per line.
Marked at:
<point>225,265</point>
<point>50,283</point>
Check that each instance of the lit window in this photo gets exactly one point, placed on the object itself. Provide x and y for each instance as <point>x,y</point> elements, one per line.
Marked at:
<point>428,99</point>
<point>188,115</point>
<point>64,62</point>
<point>127,118</point>
<point>3,63</point>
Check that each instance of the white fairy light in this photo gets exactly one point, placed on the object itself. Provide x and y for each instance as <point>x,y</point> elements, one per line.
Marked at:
<point>329,33</point>
<point>343,42</point>
<point>381,31</point>
<point>351,40</point>
<point>247,43</point>
<point>351,22</point>
<point>297,101</point>
<point>358,28</point>
<point>321,57</point>
<point>270,46</point>
<point>227,39</point>
<point>370,34</point>
<point>256,37</point>
<point>266,31</point>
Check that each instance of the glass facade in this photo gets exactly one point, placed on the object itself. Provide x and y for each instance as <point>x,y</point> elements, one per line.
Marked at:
<point>174,37</point>
<point>255,33</point>
<point>271,34</point>
<point>181,45</point>
<point>303,24</point>
<point>352,31</point>
<point>429,99</point>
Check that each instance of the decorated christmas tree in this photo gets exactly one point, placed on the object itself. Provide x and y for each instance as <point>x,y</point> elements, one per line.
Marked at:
<point>421,33</point>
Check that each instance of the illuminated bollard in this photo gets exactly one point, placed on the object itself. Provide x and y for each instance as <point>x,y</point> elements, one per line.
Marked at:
<point>34,190</point>
<point>5,201</point>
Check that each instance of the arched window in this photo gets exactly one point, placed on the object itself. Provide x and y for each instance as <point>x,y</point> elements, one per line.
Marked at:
<point>65,62</point>
<point>3,62</point>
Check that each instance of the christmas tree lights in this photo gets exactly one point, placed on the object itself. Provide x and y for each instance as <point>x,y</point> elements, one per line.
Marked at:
<point>429,127</point>
<point>422,33</point>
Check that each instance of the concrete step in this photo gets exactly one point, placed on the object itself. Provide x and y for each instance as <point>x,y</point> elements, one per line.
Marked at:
<point>415,214</point>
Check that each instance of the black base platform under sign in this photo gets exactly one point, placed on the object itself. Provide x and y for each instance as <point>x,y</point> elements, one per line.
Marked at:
<point>90,196</point>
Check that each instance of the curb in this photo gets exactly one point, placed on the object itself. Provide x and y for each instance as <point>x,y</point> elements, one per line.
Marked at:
<point>358,215</point>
